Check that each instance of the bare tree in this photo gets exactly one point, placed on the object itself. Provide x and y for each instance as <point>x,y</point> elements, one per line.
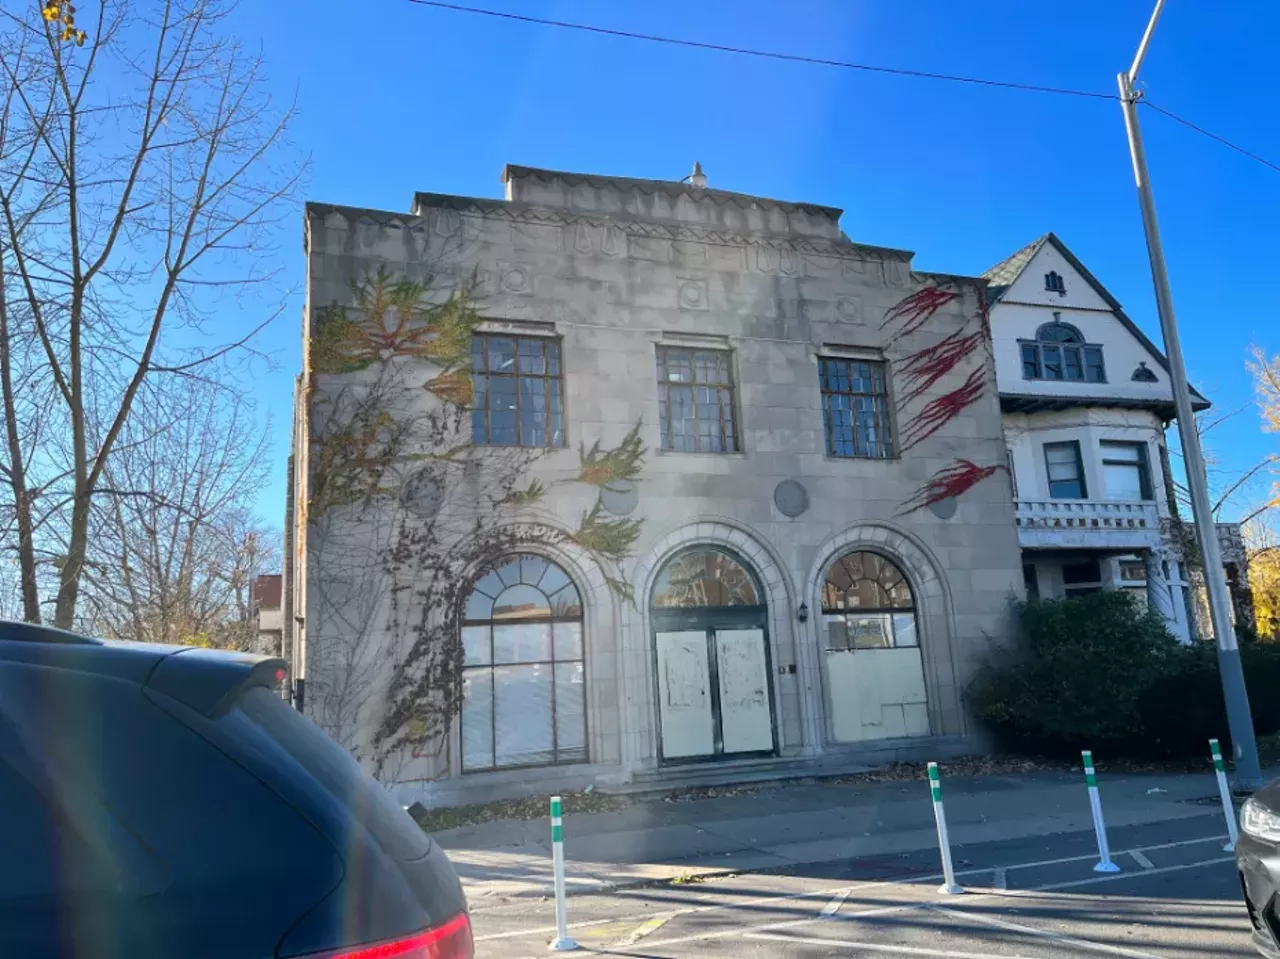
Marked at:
<point>142,168</point>
<point>175,548</point>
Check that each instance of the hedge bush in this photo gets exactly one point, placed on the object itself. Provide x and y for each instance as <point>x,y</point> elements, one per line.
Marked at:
<point>1101,672</point>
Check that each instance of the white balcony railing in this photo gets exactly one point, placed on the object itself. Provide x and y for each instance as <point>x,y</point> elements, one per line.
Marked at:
<point>1083,523</point>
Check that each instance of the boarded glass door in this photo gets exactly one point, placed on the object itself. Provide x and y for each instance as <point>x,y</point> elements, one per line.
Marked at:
<point>713,693</point>
<point>746,722</point>
<point>684,694</point>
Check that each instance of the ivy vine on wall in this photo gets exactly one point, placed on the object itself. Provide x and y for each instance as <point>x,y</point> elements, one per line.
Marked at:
<point>412,512</point>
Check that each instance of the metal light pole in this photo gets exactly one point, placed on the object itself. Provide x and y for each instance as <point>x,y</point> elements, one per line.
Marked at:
<point>1239,718</point>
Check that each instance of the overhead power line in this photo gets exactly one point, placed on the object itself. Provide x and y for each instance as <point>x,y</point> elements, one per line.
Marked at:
<point>764,54</point>
<point>1211,135</point>
<point>825,62</point>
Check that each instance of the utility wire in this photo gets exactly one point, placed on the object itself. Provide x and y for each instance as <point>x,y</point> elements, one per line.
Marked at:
<point>764,54</point>
<point>843,64</point>
<point>1212,136</point>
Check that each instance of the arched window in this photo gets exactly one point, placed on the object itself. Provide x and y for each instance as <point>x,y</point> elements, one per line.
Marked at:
<point>1059,352</point>
<point>1059,332</point>
<point>867,604</point>
<point>524,685</point>
<point>704,577</point>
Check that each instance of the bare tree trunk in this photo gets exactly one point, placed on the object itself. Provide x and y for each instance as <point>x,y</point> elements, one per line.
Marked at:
<point>64,616</point>
<point>138,171</point>
<point>17,468</point>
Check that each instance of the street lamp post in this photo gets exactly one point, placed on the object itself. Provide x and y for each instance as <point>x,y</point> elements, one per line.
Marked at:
<point>1239,718</point>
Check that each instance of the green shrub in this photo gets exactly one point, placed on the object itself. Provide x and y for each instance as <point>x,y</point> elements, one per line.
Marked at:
<point>1183,710</point>
<point>1085,664</point>
<point>1102,673</point>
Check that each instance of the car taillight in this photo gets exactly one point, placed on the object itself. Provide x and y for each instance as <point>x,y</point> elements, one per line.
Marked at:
<point>449,941</point>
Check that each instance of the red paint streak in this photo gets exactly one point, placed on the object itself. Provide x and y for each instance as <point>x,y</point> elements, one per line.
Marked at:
<point>916,309</point>
<point>938,412</point>
<point>925,367</point>
<point>959,477</point>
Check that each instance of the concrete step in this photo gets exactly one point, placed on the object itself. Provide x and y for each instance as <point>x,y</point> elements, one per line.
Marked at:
<point>663,779</point>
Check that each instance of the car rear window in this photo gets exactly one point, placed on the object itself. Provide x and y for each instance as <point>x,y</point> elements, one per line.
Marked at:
<point>333,768</point>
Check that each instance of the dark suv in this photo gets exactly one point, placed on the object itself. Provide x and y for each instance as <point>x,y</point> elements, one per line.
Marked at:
<point>161,802</point>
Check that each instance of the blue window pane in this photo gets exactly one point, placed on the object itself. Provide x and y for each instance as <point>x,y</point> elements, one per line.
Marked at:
<point>533,413</point>
<point>502,393</point>
<point>532,360</point>
<point>502,357</point>
<point>502,428</point>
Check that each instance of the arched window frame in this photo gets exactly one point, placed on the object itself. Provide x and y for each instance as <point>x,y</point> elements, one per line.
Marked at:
<point>1059,352</point>
<point>892,622</point>
<point>544,643</point>
<point>746,592</point>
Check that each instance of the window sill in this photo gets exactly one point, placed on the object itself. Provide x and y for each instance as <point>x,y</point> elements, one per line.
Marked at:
<point>513,446</point>
<point>733,454</point>
<point>861,459</point>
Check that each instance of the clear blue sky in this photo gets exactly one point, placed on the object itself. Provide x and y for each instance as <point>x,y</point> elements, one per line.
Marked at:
<point>397,97</point>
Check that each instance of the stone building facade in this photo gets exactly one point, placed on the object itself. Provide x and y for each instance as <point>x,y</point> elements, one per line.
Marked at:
<point>708,490</point>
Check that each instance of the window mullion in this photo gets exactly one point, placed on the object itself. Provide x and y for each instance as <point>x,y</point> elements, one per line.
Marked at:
<point>488,393</point>
<point>693,400</point>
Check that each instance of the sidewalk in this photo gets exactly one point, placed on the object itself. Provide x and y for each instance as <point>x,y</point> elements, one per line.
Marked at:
<point>793,824</point>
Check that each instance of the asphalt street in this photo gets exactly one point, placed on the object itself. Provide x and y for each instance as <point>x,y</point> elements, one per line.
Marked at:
<point>1037,898</point>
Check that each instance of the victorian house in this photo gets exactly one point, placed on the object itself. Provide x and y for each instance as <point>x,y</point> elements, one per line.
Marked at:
<point>1086,400</point>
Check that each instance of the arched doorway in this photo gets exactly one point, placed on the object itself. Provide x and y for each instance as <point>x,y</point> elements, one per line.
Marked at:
<point>711,657</point>
<point>875,674</point>
<point>524,685</point>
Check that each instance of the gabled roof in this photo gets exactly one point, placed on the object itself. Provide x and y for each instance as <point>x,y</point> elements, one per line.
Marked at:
<point>1003,275</point>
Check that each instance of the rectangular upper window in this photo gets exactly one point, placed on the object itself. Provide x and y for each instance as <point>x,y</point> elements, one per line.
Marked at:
<point>1126,471</point>
<point>1062,361</point>
<point>1065,470</point>
<point>695,400</point>
<point>855,407</point>
<point>1059,352</point>
<point>519,391</point>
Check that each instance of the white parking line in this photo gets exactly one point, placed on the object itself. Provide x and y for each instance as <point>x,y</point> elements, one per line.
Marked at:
<point>884,947</point>
<point>750,931</point>
<point>1000,879</point>
<point>688,910</point>
<point>1141,860</point>
<point>836,902</point>
<point>845,891</point>
<point>1044,933</point>
<point>1120,877</point>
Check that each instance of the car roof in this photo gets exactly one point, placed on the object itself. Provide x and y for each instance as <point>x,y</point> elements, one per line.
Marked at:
<point>203,679</point>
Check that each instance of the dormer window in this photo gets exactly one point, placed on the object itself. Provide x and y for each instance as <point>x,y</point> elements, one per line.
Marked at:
<point>1059,352</point>
<point>1054,283</point>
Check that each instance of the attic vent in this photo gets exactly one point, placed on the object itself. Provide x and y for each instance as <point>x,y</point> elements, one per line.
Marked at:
<point>1054,283</point>
<point>1144,375</point>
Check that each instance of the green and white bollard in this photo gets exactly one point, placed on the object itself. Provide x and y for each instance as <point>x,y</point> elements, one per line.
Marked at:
<point>1095,804</point>
<point>562,942</point>
<point>949,884</point>
<point>1224,791</point>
